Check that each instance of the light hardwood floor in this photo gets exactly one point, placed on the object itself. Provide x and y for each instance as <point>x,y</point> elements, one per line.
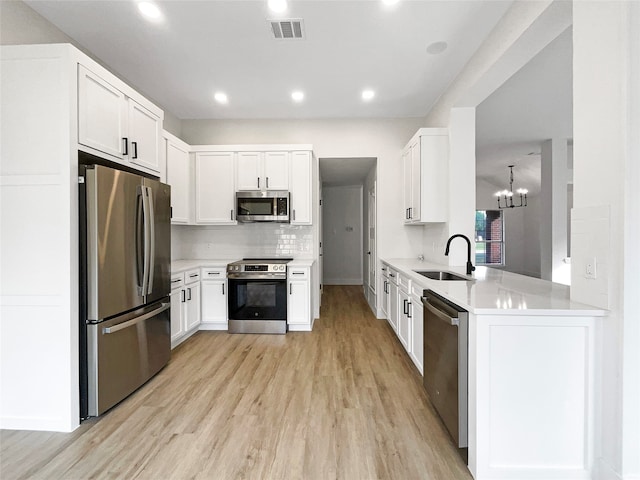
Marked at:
<point>343,401</point>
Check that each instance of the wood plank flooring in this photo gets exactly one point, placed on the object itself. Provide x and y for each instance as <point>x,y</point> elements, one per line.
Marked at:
<point>341,402</point>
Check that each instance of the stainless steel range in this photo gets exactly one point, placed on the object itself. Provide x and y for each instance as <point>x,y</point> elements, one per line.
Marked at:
<point>258,295</point>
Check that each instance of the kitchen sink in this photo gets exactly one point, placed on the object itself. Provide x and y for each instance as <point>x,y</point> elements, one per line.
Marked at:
<point>441,275</point>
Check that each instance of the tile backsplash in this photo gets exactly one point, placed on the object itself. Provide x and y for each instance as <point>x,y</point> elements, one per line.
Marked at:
<point>242,240</point>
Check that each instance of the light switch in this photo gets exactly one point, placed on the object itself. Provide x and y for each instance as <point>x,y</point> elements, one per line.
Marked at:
<point>590,270</point>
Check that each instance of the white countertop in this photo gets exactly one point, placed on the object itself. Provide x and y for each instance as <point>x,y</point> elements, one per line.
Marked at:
<point>183,265</point>
<point>493,291</point>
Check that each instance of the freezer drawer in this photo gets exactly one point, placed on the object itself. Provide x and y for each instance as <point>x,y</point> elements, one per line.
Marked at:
<point>125,352</point>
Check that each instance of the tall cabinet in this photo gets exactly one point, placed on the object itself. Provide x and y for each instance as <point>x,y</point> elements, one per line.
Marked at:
<point>73,104</point>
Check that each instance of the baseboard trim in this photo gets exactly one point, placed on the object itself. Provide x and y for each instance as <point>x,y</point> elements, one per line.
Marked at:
<point>342,281</point>
<point>214,326</point>
<point>605,471</point>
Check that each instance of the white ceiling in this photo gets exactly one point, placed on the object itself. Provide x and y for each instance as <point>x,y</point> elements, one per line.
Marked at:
<point>206,46</point>
<point>534,105</point>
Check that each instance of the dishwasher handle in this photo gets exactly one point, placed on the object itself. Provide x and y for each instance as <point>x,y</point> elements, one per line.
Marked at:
<point>445,317</point>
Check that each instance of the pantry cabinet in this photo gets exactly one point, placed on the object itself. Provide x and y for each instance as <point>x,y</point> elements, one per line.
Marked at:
<point>113,123</point>
<point>214,188</point>
<point>425,173</point>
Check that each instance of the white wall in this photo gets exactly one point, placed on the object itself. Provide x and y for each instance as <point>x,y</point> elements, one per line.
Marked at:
<point>606,215</point>
<point>342,235</point>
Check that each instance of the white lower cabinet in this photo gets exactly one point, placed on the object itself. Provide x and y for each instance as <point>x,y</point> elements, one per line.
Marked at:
<point>393,300</point>
<point>214,299</point>
<point>185,305</point>
<point>416,328</point>
<point>299,317</point>
<point>404,315</point>
<point>385,291</point>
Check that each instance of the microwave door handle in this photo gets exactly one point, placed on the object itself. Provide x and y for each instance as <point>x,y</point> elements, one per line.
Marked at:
<point>152,240</point>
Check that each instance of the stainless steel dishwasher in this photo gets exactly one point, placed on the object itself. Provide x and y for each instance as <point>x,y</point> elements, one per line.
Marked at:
<point>446,339</point>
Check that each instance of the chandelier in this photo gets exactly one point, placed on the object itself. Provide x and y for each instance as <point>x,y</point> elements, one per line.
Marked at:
<point>507,195</point>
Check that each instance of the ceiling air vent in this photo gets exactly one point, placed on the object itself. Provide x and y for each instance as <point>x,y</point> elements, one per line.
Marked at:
<point>287,29</point>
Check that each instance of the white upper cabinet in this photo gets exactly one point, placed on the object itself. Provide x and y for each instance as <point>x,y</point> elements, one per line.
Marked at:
<point>112,122</point>
<point>301,189</point>
<point>145,130</point>
<point>101,114</point>
<point>276,170</point>
<point>179,177</point>
<point>425,161</point>
<point>215,189</point>
<point>249,170</point>
<point>262,171</point>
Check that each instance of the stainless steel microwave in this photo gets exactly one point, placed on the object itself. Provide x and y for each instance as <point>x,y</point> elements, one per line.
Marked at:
<point>267,206</point>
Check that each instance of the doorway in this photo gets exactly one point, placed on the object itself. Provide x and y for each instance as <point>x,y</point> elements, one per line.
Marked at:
<point>348,212</point>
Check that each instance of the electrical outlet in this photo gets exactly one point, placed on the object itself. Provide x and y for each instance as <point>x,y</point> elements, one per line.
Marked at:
<point>590,269</point>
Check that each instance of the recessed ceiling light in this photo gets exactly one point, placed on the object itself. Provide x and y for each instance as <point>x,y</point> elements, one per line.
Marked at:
<point>221,97</point>
<point>277,6</point>
<point>368,95</point>
<point>150,11</point>
<point>297,96</point>
<point>437,48</point>
<point>390,2</point>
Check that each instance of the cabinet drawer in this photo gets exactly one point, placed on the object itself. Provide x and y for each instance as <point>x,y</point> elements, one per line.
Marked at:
<point>177,280</point>
<point>393,275</point>
<point>298,273</point>
<point>191,276</point>
<point>213,273</point>
<point>404,282</point>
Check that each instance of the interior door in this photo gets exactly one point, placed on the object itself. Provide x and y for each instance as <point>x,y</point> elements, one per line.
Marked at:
<point>371,248</point>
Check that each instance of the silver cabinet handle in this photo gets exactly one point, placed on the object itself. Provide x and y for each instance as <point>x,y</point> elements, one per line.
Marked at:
<point>146,316</point>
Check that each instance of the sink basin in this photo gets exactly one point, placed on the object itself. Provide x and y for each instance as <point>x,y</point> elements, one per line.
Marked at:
<point>441,275</point>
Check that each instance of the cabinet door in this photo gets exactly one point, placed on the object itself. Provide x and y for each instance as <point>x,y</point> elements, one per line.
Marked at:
<point>193,306</point>
<point>215,191</point>
<point>416,170</point>
<point>393,306</point>
<point>276,170</point>
<point>214,301</point>
<point>144,137</point>
<point>178,176</point>
<point>416,333</point>
<point>249,170</point>
<point>300,188</point>
<point>403,319</point>
<point>385,297</point>
<point>408,184</point>
<point>177,325</point>
<point>434,152</point>
<point>298,307</point>
<point>102,114</point>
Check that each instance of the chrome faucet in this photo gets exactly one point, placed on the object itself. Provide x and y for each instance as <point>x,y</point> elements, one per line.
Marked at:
<point>470,267</point>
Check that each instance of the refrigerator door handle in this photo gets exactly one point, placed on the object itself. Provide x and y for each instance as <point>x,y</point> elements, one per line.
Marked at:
<point>140,234</point>
<point>146,316</point>
<point>147,250</point>
<point>152,241</point>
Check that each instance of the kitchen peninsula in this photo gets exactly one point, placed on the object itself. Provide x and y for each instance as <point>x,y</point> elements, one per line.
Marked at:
<point>531,358</point>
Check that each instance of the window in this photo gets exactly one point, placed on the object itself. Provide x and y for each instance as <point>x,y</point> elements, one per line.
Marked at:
<point>489,237</point>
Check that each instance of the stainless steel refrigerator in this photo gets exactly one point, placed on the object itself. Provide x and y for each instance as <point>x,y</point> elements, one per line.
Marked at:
<point>125,254</point>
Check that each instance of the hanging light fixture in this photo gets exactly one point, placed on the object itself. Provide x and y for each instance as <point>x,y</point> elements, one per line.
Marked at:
<point>507,195</point>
